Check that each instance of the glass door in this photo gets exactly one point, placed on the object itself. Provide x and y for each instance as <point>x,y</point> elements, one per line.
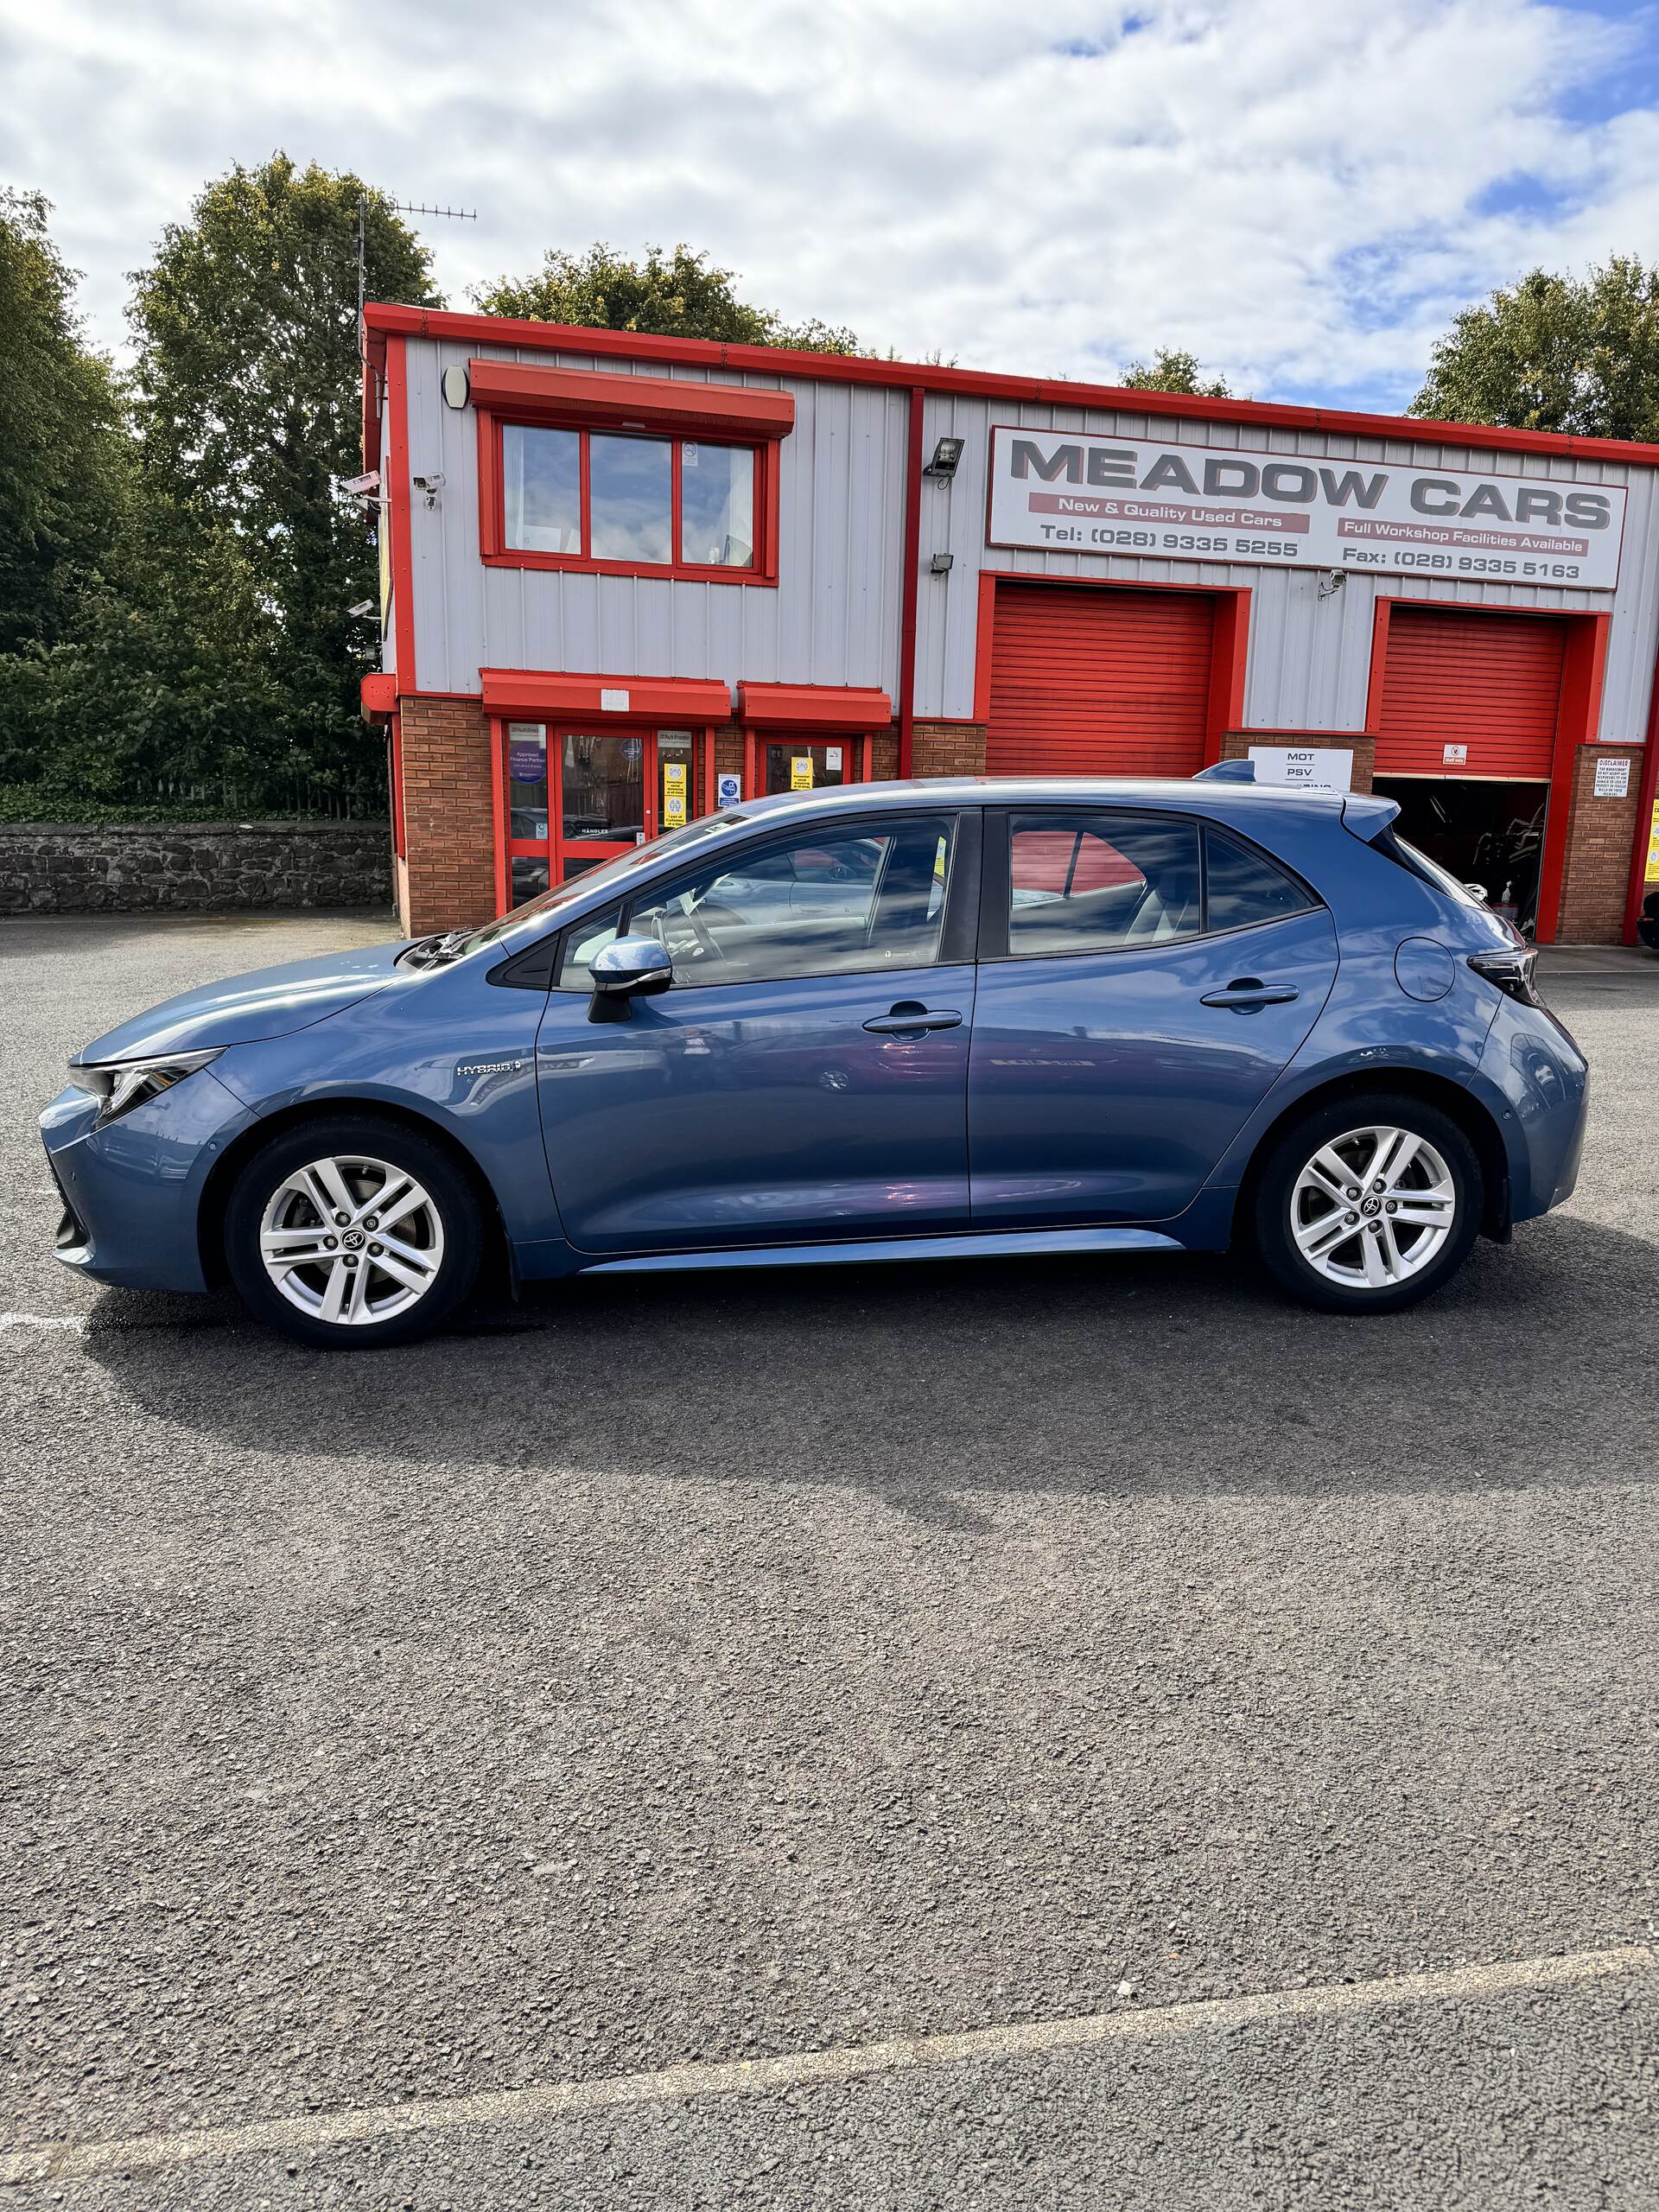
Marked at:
<point>605,779</point>
<point>792,767</point>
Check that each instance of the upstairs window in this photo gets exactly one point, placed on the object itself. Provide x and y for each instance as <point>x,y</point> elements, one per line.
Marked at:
<point>595,497</point>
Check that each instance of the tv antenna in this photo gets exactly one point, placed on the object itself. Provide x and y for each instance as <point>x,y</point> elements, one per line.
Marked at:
<point>397,208</point>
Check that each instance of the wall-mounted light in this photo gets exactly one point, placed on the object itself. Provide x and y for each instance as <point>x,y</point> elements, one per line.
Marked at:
<point>940,565</point>
<point>946,454</point>
<point>456,386</point>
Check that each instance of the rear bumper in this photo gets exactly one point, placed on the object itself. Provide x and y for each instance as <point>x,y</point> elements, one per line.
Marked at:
<point>1542,1083</point>
<point>132,1191</point>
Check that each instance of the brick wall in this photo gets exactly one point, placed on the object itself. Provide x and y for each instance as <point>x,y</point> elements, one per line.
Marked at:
<point>448,822</point>
<point>1601,833</point>
<point>948,749</point>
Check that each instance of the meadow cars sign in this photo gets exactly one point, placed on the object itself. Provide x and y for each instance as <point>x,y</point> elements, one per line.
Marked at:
<point>1062,492</point>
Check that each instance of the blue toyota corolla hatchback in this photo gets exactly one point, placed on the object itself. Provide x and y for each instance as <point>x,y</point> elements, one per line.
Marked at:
<point>907,1020</point>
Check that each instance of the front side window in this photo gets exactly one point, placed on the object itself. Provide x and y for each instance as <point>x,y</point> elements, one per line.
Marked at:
<point>836,902</point>
<point>1098,882</point>
<point>595,495</point>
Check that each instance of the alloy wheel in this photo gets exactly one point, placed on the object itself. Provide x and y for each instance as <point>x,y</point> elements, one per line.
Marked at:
<point>351,1240</point>
<point>1372,1209</point>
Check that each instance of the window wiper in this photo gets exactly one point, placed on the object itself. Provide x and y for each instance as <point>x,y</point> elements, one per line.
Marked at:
<point>433,951</point>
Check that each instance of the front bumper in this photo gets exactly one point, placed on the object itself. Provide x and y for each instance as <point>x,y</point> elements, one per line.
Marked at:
<point>131,1191</point>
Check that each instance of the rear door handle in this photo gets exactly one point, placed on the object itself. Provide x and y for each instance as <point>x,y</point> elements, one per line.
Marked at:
<point>1245,994</point>
<point>909,1018</point>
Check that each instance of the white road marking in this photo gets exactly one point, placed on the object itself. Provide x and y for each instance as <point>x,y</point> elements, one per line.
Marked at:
<point>76,1321</point>
<point>72,2161</point>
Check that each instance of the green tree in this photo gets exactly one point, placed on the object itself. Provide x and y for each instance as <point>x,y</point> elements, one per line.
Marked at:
<point>677,295</point>
<point>1556,353</point>
<point>64,451</point>
<point>164,677</point>
<point>247,385</point>
<point>1172,369</point>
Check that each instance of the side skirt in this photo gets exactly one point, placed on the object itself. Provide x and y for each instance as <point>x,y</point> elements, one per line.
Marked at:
<point>1002,1244</point>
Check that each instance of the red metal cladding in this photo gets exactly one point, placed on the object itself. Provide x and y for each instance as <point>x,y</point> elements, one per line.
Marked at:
<point>528,393</point>
<point>1109,682</point>
<point>1490,683</point>
<point>813,706</point>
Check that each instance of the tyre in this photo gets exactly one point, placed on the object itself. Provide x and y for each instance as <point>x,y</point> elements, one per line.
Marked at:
<point>1369,1203</point>
<point>353,1231</point>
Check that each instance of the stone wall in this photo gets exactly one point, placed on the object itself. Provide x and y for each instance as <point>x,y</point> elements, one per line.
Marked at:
<point>192,866</point>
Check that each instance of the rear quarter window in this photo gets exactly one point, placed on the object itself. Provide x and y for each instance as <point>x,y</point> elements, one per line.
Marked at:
<point>1242,886</point>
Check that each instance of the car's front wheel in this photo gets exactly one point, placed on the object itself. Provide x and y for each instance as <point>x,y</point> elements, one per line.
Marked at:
<point>354,1231</point>
<point>1369,1203</point>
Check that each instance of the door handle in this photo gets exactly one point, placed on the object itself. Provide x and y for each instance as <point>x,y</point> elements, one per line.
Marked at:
<point>1249,994</point>
<point>908,1019</point>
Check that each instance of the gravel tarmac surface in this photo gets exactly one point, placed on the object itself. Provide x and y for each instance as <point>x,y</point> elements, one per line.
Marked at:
<point>667,1670</point>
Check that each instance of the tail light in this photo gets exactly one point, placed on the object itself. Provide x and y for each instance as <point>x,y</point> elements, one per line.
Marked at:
<point>1511,971</point>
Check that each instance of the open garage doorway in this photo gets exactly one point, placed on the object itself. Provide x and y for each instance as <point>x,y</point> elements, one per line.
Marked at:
<point>1482,829</point>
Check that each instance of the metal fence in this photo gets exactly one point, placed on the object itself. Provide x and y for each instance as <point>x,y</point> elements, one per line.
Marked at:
<point>359,798</point>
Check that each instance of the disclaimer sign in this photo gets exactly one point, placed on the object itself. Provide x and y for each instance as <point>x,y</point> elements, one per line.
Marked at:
<point>1058,490</point>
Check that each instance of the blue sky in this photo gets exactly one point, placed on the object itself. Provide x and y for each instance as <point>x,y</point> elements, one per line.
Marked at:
<point>1302,194</point>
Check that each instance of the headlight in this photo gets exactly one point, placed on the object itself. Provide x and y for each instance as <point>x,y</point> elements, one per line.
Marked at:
<point>119,1085</point>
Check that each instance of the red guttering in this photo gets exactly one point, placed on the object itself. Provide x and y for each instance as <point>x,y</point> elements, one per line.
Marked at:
<point>640,403</point>
<point>1638,890</point>
<point>813,706</point>
<point>384,320</point>
<point>540,697</point>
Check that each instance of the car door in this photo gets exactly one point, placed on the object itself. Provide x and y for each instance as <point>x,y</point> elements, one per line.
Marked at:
<point>805,1076</point>
<point>1145,977</point>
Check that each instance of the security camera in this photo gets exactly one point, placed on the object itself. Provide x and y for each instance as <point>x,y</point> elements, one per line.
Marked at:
<point>360,485</point>
<point>431,486</point>
<point>364,607</point>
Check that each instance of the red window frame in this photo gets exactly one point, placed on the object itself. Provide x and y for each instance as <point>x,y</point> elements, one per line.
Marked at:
<point>495,551</point>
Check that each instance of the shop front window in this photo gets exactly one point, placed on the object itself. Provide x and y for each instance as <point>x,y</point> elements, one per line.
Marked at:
<point>526,782</point>
<point>602,788</point>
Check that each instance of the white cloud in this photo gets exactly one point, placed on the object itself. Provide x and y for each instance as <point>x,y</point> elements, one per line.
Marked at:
<point>1292,189</point>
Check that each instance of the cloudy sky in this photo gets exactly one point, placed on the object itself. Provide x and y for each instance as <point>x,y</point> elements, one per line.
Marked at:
<point>1300,191</point>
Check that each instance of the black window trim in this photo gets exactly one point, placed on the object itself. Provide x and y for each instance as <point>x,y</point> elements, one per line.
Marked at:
<point>957,924</point>
<point>996,880</point>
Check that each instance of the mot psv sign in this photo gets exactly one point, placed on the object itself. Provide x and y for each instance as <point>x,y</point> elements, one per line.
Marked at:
<point>1060,491</point>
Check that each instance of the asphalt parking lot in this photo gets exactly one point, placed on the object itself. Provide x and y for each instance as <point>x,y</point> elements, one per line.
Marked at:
<point>667,1673</point>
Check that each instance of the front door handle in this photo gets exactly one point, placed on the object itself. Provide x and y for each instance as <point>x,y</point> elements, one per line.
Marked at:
<point>1247,994</point>
<point>909,1018</point>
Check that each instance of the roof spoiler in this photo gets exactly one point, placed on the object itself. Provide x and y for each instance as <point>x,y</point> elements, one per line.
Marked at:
<point>1227,772</point>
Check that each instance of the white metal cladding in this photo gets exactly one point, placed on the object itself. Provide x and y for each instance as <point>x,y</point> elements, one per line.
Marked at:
<point>1309,658</point>
<point>833,617</point>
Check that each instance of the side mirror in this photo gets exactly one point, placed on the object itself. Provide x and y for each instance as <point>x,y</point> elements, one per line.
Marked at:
<point>629,967</point>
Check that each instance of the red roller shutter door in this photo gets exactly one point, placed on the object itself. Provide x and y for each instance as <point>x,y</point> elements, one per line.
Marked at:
<point>1099,682</point>
<point>1490,682</point>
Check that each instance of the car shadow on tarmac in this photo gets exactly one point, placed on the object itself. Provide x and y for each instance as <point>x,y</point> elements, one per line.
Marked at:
<point>1176,1375</point>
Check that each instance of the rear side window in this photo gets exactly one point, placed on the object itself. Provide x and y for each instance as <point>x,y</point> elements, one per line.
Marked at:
<point>1094,882</point>
<point>1242,885</point>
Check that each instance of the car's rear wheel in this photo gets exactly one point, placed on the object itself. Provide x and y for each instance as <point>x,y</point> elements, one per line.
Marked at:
<point>1369,1203</point>
<point>353,1231</point>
